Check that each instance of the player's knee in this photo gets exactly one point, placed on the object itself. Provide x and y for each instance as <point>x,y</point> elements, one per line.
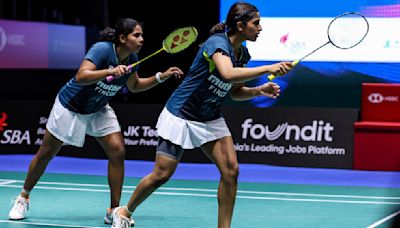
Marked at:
<point>117,153</point>
<point>231,172</point>
<point>161,178</point>
<point>235,172</point>
<point>44,155</point>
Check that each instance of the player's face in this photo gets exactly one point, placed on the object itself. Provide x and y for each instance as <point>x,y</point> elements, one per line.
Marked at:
<point>253,28</point>
<point>134,40</point>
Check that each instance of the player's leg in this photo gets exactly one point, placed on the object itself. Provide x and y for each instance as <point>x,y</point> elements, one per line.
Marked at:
<point>63,126</point>
<point>163,170</point>
<point>224,155</point>
<point>114,148</point>
<point>49,148</point>
<point>167,159</point>
<point>105,127</point>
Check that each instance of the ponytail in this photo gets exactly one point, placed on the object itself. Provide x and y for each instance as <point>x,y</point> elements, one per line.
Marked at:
<point>218,28</point>
<point>107,34</point>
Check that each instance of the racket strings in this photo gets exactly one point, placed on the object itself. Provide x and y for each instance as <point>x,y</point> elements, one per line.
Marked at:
<point>348,30</point>
<point>180,39</point>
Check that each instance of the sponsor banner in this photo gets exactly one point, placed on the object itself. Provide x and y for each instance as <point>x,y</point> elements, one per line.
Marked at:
<point>276,136</point>
<point>66,46</point>
<point>36,45</point>
<point>380,102</point>
<point>285,39</point>
<point>22,131</point>
<point>23,44</point>
<point>22,126</point>
<point>308,137</point>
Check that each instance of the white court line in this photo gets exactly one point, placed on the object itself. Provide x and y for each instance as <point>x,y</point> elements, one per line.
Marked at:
<point>214,196</point>
<point>284,193</point>
<point>7,182</point>
<point>59,183</point>
<point>282,199</point>
<point>204,190</point>
<point>47,224</point>
<point>383,220</point>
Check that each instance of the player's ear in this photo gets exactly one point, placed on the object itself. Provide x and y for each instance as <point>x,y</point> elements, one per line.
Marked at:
<point>240,26</point>
<point>122,39</point>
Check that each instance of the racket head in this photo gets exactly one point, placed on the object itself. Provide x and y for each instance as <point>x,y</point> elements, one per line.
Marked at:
<point>180,39</point>
<point>348,30</point>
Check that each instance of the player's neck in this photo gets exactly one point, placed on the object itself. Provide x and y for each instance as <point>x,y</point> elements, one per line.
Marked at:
<point>122,53</point>
<point>236,42</point>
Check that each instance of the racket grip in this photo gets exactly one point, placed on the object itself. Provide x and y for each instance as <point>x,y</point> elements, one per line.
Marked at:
<point>109,78</point>
<point>272,77</point>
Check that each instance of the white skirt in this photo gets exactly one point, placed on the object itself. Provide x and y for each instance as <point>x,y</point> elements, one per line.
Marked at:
<point>190,134</point>
<point>71,128</point>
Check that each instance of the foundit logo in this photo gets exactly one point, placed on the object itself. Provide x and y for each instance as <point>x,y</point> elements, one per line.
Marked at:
<point>317,131</point>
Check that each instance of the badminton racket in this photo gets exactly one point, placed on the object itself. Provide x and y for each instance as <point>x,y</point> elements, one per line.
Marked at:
<point>176,41</point>
<point>344,31</point>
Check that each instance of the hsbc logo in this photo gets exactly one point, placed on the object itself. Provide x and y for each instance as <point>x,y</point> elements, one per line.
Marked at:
<point>11,39</point>
<point>377,98</point>
<point>3,38</point>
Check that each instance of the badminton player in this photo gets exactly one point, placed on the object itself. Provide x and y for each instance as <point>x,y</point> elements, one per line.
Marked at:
<point>81,107</point>
<point>192,116</point>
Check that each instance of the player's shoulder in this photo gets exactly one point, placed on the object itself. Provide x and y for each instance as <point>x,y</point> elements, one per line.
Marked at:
<point>217,40</point>
<point>217,37</point>
<point>103,45</point>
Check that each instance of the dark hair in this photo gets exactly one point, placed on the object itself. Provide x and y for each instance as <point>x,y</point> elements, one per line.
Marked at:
<point>240,11</point>
<point>107,34</point>
<point>124,26</point>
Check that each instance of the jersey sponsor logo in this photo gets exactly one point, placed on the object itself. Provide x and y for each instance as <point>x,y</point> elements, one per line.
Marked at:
<point>219,87</point>
<point>108,90</point>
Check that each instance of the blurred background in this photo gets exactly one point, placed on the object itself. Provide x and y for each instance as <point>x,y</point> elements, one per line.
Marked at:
<point>317,83</point>
<point>159,19</point>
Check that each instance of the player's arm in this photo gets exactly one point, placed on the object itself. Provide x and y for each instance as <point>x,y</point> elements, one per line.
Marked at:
<point>136,84</point>
<point>243,74</point>
<point>240,92</point>
<point>88,73</point>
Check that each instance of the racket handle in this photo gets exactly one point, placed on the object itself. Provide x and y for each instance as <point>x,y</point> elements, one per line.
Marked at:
<point>109,78</point>
<point>272,77</point>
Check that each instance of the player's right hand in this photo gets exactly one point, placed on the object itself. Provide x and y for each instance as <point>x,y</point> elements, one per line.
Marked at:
<point>280,68</point>
<point>119,70</point>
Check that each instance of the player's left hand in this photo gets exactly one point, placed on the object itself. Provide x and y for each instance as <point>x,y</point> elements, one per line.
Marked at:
<point>270,89</point>
<point>172,71</point>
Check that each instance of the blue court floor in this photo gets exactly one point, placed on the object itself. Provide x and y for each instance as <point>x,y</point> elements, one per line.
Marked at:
<point>268,196</point>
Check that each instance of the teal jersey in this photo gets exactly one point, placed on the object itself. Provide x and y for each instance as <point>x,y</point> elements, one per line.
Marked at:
<point>202,92</point>
<point>87,99</point>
